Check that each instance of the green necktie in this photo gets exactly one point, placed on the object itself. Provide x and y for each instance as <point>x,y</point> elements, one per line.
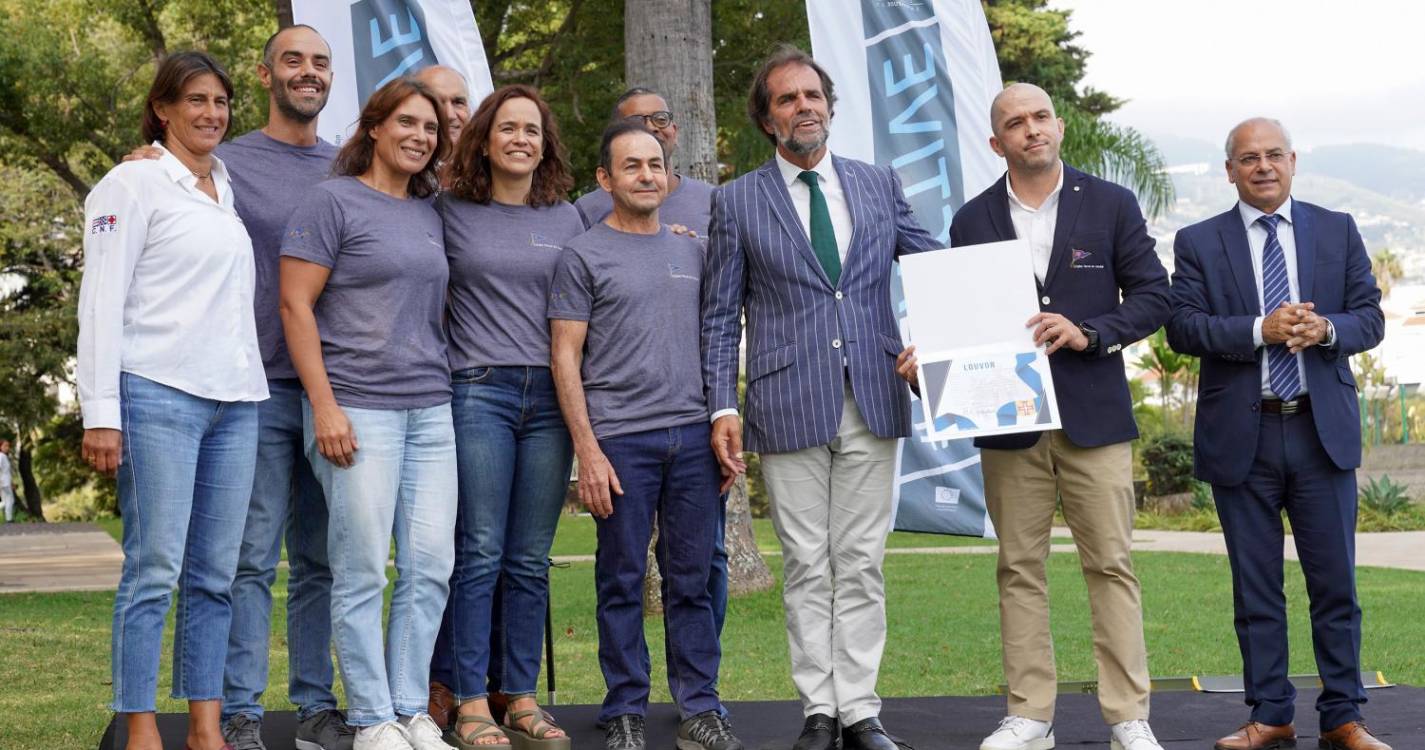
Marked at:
<point>823,235</point>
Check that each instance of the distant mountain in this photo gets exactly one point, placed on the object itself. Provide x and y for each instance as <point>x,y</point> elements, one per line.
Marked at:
<point>1389,170</point>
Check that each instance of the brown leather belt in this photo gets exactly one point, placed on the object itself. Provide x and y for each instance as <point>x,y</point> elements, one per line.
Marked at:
<point>1278,406</point>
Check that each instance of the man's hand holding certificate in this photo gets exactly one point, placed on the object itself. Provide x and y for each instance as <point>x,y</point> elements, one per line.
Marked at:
<point>980,346</point>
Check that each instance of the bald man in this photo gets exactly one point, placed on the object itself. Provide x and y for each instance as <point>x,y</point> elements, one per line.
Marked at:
<point>1101,288</point>
<point>450,88</point>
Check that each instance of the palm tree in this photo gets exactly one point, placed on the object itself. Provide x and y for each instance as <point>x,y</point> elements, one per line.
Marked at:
<point>1118,154</point>
<point>1387,268</point>
<point>1169,366</point>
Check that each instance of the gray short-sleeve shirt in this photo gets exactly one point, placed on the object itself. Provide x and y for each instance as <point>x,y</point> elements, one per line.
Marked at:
<point>501,261</point>
<point>381,313</point>
<point>640,295</point>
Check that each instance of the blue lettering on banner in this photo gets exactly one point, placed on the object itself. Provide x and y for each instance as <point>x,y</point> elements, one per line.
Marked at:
<point>915,132</point>
<point>390,40</point>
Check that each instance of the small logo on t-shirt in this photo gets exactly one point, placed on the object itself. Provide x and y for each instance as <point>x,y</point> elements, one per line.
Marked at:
<point>677,271</point>
<point>103,224</point>
<point>538,240</point>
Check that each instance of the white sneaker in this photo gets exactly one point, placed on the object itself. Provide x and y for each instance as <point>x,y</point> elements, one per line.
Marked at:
<point>422,733</point>
<point>1133,735</point>
<point>388,735</point>
<point>1020,733</point>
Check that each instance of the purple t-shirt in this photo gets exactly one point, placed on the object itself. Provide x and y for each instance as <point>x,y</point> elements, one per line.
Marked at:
<point>269,177</point>
<point>501,260</point>
<point>689,205</point>
<point>640,294</point>
<point>380,314</point>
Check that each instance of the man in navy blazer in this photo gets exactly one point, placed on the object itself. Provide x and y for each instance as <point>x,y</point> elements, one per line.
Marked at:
<point>803,247</point>
<point>1101,287</point>
<point>1275,295</point>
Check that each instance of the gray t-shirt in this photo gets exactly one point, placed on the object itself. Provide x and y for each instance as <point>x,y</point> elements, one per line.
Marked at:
<point>640,294</point>
<point>501,261</point>
<point>689,205</point>
<point>269,177</point>
<point>380,314</point>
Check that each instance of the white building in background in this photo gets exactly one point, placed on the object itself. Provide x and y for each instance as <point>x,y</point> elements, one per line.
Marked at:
<point>1402,353</point>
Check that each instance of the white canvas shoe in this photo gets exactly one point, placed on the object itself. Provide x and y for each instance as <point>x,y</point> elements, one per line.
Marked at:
<point>1020,733</point>
<point>388,735</point>
<point>422,733</point>
<point>1133,735</point>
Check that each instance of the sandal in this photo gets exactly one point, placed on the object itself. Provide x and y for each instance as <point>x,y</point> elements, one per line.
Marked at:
<point>471,740</point>
<point>537,736</point>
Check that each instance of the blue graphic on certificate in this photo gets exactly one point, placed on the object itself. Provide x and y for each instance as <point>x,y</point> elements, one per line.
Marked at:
<point>988,390</point>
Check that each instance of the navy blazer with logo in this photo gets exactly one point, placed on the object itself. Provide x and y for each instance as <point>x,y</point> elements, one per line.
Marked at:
<point>1103,271</point>
<point>1215,304</point>
<point>805,335</point>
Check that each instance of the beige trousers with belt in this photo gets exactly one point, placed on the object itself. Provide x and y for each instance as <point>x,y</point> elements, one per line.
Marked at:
<point>1096,485</point>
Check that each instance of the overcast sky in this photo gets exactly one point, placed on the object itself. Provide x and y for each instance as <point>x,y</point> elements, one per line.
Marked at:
<point>1335,71</point>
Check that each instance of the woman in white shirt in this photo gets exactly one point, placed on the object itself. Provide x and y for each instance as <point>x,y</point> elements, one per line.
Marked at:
<point>169,375</point>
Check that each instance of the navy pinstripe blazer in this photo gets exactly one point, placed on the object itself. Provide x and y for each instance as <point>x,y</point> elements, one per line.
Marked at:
<point>803,332</point>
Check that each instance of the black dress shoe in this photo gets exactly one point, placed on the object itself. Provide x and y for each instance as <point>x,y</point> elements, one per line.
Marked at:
<point>820,732</point>
<point>867,734</point>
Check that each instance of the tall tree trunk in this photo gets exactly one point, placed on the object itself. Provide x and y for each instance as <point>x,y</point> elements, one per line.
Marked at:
<point>284,13</point>
<point>668,47</point>
<point>33,500</point>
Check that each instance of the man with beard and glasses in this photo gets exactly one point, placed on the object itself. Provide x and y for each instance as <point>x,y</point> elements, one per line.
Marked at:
<point>803,247</point>
<point>271,169</point>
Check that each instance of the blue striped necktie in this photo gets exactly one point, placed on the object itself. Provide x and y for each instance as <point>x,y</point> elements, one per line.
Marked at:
<point>1282,374</point>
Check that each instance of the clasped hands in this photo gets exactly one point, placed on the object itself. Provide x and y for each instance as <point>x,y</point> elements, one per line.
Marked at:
<point>1296,325</point>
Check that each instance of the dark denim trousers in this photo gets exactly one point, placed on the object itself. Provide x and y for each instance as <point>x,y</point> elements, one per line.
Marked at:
<point>671,474</point>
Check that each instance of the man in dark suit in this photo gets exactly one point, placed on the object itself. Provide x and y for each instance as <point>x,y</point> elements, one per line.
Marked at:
<point>803,247</point>
<point>1101,288</point>
<point>1275,295</point>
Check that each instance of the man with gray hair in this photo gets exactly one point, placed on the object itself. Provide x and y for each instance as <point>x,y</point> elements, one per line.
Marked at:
<point>1275,295</point>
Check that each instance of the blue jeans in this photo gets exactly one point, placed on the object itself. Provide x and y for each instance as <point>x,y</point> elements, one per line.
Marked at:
<point>403,484</point>
<point>285,496</point>
<point>184,481</point>
<point>670,473</point>
<point>514,454</point>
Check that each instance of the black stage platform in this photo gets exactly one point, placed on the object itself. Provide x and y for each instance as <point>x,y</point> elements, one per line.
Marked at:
<point>1180,719</point>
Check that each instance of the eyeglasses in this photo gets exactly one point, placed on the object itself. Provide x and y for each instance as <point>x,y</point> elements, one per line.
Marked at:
<point>658,120</point>
<point>1251,160</point>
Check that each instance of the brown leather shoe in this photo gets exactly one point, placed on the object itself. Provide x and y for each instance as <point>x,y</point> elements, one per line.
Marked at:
<point>1257,736</point>
<point>1351,736</point>
<point>442,705</point>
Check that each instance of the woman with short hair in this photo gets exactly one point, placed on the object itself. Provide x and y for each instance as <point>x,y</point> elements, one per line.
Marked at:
<point>363,279</point>
<point>169,374</point>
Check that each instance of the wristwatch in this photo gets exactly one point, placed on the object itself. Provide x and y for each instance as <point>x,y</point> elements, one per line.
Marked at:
<point>1092,336</point>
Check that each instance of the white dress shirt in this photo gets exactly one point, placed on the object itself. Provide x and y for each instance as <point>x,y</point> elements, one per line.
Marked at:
<point>1036,225</point>
<point>167,291</point>
<point>836,205</point>
<point>1257,242</point>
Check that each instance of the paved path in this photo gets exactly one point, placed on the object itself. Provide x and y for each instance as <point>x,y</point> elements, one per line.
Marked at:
<point>81,557</point>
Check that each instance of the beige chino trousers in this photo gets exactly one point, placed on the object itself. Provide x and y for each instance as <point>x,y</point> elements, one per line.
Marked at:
<point>1096,485</point>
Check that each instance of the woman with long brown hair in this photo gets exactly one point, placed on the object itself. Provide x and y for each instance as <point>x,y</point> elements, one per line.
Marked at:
<point>363,280</point>
<point>506,221</point>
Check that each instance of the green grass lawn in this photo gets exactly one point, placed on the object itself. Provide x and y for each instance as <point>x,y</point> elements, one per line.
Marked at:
<point>54,648</point>
<point>576,536</point>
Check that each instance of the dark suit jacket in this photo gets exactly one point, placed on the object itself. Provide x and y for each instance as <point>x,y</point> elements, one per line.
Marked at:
<point>1214,305</point>
<point>805,335</point>
<point>1119,289</point>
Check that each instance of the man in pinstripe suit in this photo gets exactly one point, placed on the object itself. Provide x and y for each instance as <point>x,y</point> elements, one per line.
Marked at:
<point>803,248</point>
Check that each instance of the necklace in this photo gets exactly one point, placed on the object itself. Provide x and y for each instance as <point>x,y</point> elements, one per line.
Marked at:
<point>203,176</point>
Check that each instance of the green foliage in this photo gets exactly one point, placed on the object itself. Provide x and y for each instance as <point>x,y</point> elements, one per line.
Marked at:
<point>1386,497</point>
<point>1118,154</point>
<point>1168,461</point>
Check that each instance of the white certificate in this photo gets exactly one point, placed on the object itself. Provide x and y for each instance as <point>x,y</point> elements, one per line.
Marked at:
<point>980,371</point>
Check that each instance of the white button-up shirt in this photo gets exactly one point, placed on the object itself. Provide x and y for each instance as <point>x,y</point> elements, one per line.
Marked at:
<point>836,205</point>
<point>1036,225</point>
<point>1257,242</point>
<point>167,291</point>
